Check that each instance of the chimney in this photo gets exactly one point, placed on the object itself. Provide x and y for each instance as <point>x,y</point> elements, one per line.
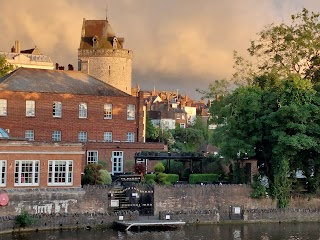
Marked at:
<point>57,66</point>
<point>17,46</point>
<point>70,67</point>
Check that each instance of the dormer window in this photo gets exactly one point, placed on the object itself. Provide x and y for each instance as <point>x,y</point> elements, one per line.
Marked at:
<point>115,43</point>
<point>95,41</point>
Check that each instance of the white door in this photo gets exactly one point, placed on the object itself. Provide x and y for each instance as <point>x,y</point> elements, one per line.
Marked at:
<point>117,162</point>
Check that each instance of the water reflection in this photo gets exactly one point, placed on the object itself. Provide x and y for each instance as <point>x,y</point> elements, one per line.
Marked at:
<point>293,231</point>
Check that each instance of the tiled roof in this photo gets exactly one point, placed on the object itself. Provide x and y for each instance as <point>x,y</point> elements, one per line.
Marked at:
<point>100,29</point>
<point>56,81</point>
<point>154,114</point>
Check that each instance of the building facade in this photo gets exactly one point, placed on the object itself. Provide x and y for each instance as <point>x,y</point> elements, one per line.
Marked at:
<point>30,58</point>
<point>26,164</point>
<point>73,107</point>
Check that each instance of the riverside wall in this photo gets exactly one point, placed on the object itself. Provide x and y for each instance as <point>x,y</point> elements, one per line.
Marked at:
<point>89,206</point>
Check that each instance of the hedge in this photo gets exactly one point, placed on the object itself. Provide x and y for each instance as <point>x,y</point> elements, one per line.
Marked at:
<point>150,178</point>
<point>171,178</point>
<point>198,178</point>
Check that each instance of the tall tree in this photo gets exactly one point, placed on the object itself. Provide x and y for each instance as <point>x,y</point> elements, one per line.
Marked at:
<point>5,67</point>
<point>285,48</point>
<point>274,121</point>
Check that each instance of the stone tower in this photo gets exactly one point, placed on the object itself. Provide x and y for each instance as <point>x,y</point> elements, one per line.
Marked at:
<point>101,55</point>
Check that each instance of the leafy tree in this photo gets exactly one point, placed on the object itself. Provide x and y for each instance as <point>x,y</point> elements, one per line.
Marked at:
<point>105,177</point>
<point>92,174</point>
<point>216,89</point>
<point>167,138</point>
<point>188,139</point>
<point>152,132</point>
<point>273,115</point>
<point>284,48</point>
<point>5,67</point>
<point>273,121</point>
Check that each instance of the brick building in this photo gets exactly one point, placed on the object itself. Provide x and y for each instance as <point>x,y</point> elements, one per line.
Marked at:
<point>26,164</point>
<point>73,107</point>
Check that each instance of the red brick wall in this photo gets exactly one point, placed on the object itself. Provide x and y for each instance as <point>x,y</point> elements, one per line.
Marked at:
<point>43,153</point>
<point>69,124</point>
<point>129,150</point>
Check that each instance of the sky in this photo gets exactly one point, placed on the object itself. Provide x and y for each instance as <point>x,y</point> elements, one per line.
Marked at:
<point>178,45</point>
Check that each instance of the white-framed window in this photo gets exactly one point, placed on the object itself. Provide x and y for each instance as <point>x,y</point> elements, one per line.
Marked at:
<point>26,173</point>
<point>83,110</point>
<point>57,109</point>
<point>3,173</point>
<point>117,162</point>
<point>107,136</point>
<point>130,137</point>
<point>178,115</point>
<point>60,172</point>
<point>82,136</point>
<point>56,136</point>
<point>29,134</point>
<point>92,157</point>
<point>182,125</point>
<point>3,107</point>
<point>183,116</point>
<point>131,112</point>
<point>107,111</point>
<point>30,108</point>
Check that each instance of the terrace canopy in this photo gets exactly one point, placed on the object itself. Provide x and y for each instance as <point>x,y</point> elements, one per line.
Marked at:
<point>171,156</point>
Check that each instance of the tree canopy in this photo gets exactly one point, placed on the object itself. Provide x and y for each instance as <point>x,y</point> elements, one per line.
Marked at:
<point>286,48</point>
<point>5,67</point>
<point>273,114</point>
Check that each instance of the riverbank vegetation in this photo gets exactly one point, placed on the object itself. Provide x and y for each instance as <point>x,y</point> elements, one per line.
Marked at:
<point>270,110</point>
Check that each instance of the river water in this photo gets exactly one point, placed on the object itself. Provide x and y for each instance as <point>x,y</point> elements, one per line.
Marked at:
<point>254,231</point>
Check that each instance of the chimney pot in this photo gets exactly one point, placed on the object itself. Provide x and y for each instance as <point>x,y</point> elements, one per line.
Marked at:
<point>70,67</point>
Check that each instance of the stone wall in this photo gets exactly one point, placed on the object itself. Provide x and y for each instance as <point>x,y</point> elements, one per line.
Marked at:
<point>113,66</point>
<point>193,197</point>
<point>57,201</point>
<point>61,221</point>
<point>89,206</point>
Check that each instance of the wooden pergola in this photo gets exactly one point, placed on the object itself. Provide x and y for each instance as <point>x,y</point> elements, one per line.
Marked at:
<point>169,156</point>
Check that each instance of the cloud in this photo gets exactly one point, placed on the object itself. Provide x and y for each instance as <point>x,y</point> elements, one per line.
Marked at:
<point>181,44</point>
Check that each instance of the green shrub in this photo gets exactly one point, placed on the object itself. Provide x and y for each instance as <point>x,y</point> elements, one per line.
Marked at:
<point>198,178</point>
<point>186,173</point>
<point>161,178</point>
<point>172,178</point>
<point>92,174</point>
<point>150,178</point>
<point>175,167</point>
<point>24,219</point>
<point>259,190</point>
<point>105,177</point>
<point>159,167</point>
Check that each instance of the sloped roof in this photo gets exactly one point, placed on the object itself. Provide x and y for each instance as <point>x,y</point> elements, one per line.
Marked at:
<point>56,81</point>
<point>34,51</point>
<point>154,114</point>
<point>100,29</point>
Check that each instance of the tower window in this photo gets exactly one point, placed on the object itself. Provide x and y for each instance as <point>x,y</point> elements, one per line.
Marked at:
<point>95,41</point>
